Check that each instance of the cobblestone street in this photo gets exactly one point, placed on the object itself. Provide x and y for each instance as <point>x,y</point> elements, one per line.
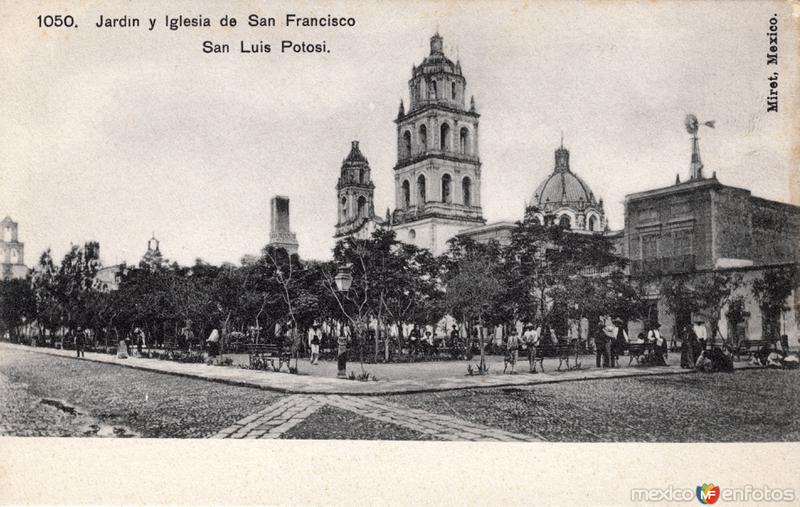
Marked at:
<point>47,395</point>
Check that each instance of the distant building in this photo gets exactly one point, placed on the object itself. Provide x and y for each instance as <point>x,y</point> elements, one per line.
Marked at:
<point>107,278</point>
<point>12,251</point>
<point>280,234</point>
<point>152,258</point>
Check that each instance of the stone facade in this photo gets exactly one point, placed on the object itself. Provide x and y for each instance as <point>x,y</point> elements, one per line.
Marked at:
<point>280,234</point>
<point>701,226</point>
<point>12,251</point>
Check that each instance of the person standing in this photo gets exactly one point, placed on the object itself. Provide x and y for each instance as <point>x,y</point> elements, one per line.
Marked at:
<point>512,351</point>
<point>659,344</point>
<point>80,343</point>
<point>600,340</point>
<point>700,332</point>
<point>531,339</point>
<point>414,339</point>
<point>610,332</point>
<point>213,343</point>
<point>314,343</point>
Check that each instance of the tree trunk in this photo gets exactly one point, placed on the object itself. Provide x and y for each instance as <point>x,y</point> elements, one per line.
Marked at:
<point>480,336</point>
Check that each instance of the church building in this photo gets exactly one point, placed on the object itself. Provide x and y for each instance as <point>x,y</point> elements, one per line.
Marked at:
<point>438,170</point>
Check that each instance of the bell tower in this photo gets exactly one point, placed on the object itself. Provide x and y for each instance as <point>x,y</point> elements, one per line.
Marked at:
<point>354,192</point>
<point>437,175</point>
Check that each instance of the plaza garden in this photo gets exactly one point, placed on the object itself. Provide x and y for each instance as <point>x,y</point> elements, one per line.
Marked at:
<point>384,302</point>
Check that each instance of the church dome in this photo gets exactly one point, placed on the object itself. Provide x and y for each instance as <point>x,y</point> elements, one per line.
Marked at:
<point>562,187</point>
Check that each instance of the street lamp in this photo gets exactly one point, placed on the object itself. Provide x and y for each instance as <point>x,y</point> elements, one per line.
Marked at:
<point>344,278</point>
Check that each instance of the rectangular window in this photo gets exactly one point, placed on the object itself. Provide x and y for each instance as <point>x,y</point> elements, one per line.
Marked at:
<point>648,215</point>
<point>650,247</point>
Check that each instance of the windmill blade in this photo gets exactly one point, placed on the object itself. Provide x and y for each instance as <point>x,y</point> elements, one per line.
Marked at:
<point>691,123</point>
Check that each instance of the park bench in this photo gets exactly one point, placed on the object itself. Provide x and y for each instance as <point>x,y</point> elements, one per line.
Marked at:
<point>750,346</point>
<point>637,350</point>
<point>263,356</point>
<point>564,351</point>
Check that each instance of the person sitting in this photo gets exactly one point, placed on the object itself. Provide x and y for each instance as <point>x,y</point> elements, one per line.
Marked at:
<point>704,363</point>
<point>721,360</point>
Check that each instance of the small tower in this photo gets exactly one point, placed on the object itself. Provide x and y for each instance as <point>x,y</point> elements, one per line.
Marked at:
<point>354,192</point>
<point>280,233</point>
<point>12,251</point>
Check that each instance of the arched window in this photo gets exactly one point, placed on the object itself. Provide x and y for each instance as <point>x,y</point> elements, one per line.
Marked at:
<point>563,221</point>
<point>344,208</point>
<point>362,207</point>
<point>444,137</point>
<point>592,223</point>
<point>466,190</point>
<point>453,90</point>
<point>361,175</point>
<point>434,90</point>
<point>14,256</point>
<point>7,234</point>
<point>421,195</point>
<point>423,137</point>
<point>447,184</point>
<point>421,91</point>
<point>407,144</point>
<point>412,234</point>
<point>537,220</point>
<point>406,194</point>
<point>464,141</point>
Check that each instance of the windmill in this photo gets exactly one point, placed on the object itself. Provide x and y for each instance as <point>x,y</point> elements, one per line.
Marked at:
<point>692,126</point>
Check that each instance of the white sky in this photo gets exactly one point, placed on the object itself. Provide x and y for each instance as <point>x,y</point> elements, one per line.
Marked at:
<point>114,134</point>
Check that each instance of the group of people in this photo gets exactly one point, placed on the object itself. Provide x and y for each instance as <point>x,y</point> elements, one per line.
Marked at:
<point>612,340</point>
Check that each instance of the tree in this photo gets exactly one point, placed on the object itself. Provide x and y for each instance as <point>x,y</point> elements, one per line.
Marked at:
<point>17,304</point>
<point>473,289</point>
<point>771,292</point>
<point>43,284</point>
<point>694,293</point>
<point>554,272</point>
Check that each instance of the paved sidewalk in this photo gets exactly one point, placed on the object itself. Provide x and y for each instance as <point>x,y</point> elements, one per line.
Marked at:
<point>306,384</point>
<point>290,411</point>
